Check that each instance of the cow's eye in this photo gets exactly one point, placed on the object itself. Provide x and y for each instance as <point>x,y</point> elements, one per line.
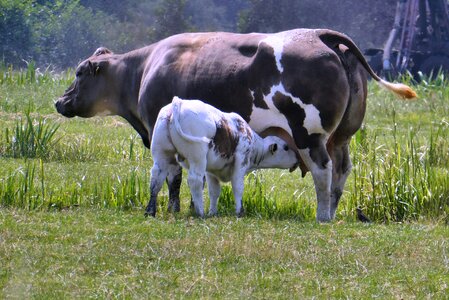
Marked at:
<point>78,73</point>
<point>286,148</point>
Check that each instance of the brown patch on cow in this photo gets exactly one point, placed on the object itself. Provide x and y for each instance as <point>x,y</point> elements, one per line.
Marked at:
<point>224,140</point>
<point>282,134</point>
<point>185,59</point>
<point>186,53</point>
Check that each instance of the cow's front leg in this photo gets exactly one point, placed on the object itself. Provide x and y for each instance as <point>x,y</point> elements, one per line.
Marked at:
<point>214,192</point>
<point>174,180</point>
<point>320,165</point>
<point>158,175</point>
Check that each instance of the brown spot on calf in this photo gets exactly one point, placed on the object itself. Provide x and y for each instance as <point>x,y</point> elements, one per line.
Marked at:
<point>224,140</point>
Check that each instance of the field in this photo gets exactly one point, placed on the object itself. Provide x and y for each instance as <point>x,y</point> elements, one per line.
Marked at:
<point>72,193</point>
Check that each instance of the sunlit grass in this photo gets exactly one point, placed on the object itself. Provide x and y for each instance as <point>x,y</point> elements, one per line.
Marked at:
<point>105,253</point>
<point>400,159</point>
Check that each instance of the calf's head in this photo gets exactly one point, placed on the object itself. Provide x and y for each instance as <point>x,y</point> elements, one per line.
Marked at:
<point>89,93</point>
<point>278,154</point>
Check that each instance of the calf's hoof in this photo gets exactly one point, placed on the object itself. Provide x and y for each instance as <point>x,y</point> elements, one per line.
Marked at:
<point>241,213</point>
<point>150,212</point>
<point>212,214</point>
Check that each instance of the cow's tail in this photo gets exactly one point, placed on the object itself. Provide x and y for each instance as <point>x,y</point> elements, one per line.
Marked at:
<point>176,106</point>
<point>333,39</point>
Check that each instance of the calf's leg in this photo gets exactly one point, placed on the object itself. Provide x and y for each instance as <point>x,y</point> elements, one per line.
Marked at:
<point>214,192</point>
<point>195,181</point>
<point>159,172</point>
<point>237,182</point>
<point>174,180</point>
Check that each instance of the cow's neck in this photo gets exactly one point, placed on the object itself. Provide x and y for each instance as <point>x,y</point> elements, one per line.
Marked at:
<point>131,67</point>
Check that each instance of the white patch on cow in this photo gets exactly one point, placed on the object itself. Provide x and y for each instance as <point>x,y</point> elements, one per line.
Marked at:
<point>276,41</point>
<point>312,120</point>
<point>261,119</point>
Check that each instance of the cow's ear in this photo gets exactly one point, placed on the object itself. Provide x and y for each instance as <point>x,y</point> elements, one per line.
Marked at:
<point>273,148</point>
<point>91,67</point>
<point>101,51</point>
<point>96,68</point>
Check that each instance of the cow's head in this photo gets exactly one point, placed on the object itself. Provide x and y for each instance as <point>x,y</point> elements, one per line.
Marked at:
<point>278,154</point>
<point>88,95</point>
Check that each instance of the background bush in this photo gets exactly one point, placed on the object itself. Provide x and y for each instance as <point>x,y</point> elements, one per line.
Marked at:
<point>62,32</point>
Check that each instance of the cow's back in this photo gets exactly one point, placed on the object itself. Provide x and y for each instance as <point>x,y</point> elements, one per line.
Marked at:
<point>237,73</point>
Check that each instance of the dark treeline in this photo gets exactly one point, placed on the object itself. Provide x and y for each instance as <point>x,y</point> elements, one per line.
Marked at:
<point>59,33</point>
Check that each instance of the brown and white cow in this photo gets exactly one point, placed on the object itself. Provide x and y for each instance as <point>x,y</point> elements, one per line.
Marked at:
<point>208,142</point>
<point>309,82</point>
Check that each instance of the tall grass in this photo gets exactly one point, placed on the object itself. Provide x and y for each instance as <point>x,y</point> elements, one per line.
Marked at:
<point>32,75</point>
<point>400,159</point>
<point>30,138</point>
<point>31,187</point>
<point>402,174</point>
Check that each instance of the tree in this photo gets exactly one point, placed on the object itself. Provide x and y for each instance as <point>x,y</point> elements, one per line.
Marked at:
<point>170,18</point>
<point>347,16</point>
<point>15,32</point>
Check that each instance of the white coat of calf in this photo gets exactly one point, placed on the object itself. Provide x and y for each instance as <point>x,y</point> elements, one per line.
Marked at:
<point>208,142</point>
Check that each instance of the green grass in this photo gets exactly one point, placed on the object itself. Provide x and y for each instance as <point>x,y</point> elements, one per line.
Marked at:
<point>400,158</point>
<point>98,253</point>
<point>72,225</point>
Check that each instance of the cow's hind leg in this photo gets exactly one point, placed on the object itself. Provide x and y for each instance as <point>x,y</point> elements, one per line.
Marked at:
<point>174,180</point>
<point>320,165</point>
<point>341,168</point>
<point>159,173</point>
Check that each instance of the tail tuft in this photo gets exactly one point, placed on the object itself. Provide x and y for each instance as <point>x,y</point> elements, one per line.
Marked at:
<point>402,90</point>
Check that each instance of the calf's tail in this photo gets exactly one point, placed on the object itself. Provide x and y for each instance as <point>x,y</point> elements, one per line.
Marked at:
<point>333,39</point>
<point>176,106</point>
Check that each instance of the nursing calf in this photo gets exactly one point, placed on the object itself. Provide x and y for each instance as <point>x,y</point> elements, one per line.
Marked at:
<point>208,142</point>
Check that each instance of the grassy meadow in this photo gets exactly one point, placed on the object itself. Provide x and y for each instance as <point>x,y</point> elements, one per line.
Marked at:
<point>72,193</point>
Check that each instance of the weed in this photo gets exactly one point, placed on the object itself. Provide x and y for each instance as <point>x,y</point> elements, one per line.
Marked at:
<point>30,139</point>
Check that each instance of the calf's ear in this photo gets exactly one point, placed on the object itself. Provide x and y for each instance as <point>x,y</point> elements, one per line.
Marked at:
<point>273,148</point>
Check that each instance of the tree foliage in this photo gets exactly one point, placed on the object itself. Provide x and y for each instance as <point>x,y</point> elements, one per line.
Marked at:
<point>62,32</point>
<point>15,32</point>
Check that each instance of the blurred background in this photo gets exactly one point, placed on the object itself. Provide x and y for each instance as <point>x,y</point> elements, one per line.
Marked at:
<point>58,34</point>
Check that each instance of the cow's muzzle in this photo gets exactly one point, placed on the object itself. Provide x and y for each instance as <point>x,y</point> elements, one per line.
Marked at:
<point>64,108</point>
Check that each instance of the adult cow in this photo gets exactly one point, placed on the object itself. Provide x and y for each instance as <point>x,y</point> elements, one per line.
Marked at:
<point>309,82</point>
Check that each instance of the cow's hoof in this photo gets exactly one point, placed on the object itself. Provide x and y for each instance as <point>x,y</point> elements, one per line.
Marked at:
<point>149,213</point>
<point>174,206</point>
<point>323,216</point>
<point>323,220</point>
